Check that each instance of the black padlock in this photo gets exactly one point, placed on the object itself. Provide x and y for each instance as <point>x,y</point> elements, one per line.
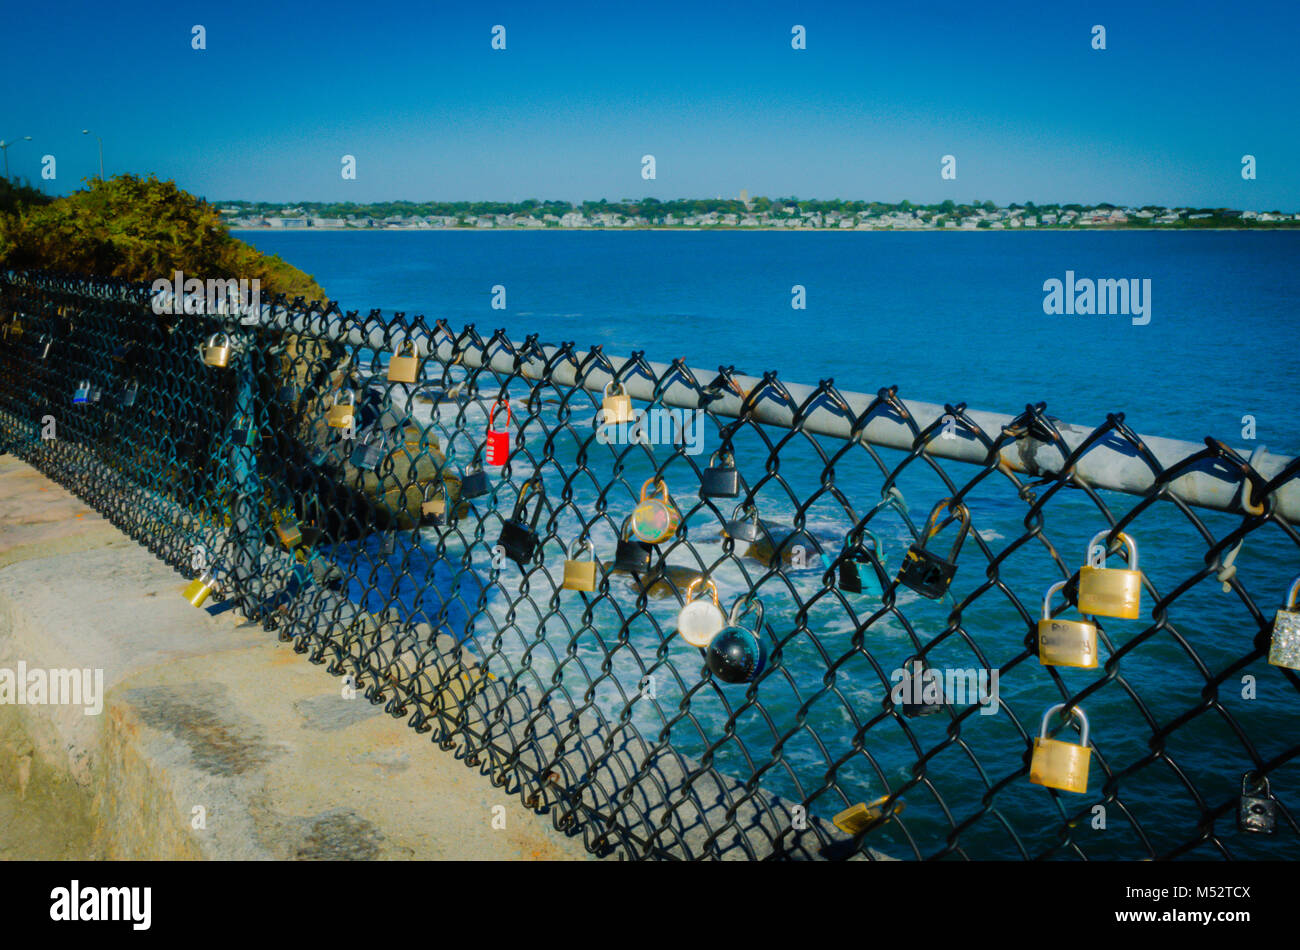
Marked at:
<point>519,538</point>
<point>1256,814</point>
<point>915,693</point>
<point>632,554</point>
<point>720,480</point>
<point>475,483</point>
<point>745,524</point>
<point>923,570</point>
<point>861,571</point>
<point>370,449</point>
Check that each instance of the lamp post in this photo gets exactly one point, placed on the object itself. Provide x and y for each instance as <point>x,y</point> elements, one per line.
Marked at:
<point>101,152</point>
<point>5,146</point>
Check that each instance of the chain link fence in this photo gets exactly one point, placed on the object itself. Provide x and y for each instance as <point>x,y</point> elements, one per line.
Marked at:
<point>755,620</point>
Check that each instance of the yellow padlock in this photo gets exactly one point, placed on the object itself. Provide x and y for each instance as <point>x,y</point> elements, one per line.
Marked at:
<point>1285,648</point>
<point>1057,764</point>
<point>217,354</point>
<point>287,530</point>
<point>1111,591</point>
<point>617,404</point>
<point>1065,642</point>
<point>404,369</point>
<point>857,818</point>
<point>581,575</point>
<point>197,591</point>
<point>341,414</point>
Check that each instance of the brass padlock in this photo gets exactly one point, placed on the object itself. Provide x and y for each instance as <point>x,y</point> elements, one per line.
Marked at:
<point>287,530</point>
<point>1111,591</point>
<point>1057,764</point>
<point>341,414</point>
<point>197,591</point>
<point>433,509</point>
<point>858,818</point>
<point>581,575</point>
<point>617,404</point>
<point>1065,642</point>
<point>404,369</point>
<point>655,520</point>
<point>217,354</point>
<point>1285,648</point>
<point>699,621</point>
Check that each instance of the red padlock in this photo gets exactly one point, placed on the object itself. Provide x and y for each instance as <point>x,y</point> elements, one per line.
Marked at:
<point>498,443</point>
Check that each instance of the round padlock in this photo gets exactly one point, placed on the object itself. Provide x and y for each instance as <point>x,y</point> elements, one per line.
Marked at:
<point>701,620</point>
<point>736,654</point>
<point>654,519</point>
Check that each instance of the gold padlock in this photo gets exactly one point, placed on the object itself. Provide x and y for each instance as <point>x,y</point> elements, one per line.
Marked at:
<point>217,354</point>
<point>404,369</point>
<point>341,414</point>
<point>655,520</point>
<point>857,818</point>
<point>581,575</point>
<point>197,591</point>
<point>1285,648</point>
<point>1057,764</point>
<point>1111,591</point>
<point>617,404</point>
<point>287,530</point>
<point>1065,642</point>
<point>702,619</point>
<point>432,508</point>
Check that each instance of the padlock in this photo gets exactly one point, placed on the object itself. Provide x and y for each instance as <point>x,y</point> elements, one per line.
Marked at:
<point>404,369</point>
<point>241,436</point>
<point>858,818</point>
<point>581,575</point>
<point>926,572</point>
<point>519,538</point>
<point>287,530</point>
<point>699,621</point>
<point>720,479</point>
<point>1256,814</point>
<point>744,524</point>
<point>631,554</point>
<point>1058,764</point>
<point>81,394</point>
<point>197,591</point>
<point>217,354</point>
<point>737,654</point>
<point>919,691</point>
<point>342,414</point>
<point>862,569</point>
<point>370,450</point>
<point>655,520</point>
<point>616,405</point>
<point>1065,642</point>
<point>96,393</point>
<point>127,397</point>
<point>498,442</point>
<point>475,483</point>
<point>433,507</point>
<point>1285,647</point>
<point>1111,592</point>
<point>289,393</point>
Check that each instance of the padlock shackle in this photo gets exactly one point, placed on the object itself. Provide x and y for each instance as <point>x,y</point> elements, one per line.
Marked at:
<point>212,340</point>
<point>1260,783</point>
<point>720,454</point>
<point>493,416</point>
<point>857,542</point>
<point>521,503</point>
<point>958,513</point>
<point>1077,710</point>
<point>648,488</point>
<point>406,341</point>
<point>1123,539</point>
<point>338,398</point>
<point>622,390</point>
<point>1293,594</point>
<point>709,585</point>
<point>1047,598</point>
<point>749,602</point>
<point>578,545</point>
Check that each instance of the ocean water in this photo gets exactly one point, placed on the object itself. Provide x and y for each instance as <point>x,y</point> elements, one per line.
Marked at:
<point>947,317</point>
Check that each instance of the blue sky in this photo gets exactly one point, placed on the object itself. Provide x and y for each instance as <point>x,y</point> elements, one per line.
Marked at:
<point>712,90</point>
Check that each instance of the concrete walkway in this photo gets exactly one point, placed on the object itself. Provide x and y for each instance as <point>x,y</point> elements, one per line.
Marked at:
<point>215,741</point>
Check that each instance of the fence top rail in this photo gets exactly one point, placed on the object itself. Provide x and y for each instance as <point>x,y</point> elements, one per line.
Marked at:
<point>1211,475</point>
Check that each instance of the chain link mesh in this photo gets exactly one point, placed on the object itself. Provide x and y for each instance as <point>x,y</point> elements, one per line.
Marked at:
<point>368,549</point>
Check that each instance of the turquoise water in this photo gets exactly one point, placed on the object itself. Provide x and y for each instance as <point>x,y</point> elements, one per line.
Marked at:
<point>947,317</point>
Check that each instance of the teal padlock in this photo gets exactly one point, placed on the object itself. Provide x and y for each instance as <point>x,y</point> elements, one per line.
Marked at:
<point>862,568</point>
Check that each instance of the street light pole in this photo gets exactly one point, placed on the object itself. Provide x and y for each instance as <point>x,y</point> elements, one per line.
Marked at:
<point>101,152</point>
<point>5,146</point>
